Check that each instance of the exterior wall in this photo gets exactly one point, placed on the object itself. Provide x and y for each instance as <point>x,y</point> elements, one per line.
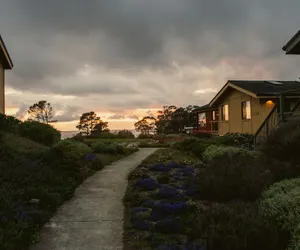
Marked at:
<point>2,94</point>
<point>259,111</point>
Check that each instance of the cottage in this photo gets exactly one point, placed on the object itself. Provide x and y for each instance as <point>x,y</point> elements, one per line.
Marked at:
<point>249,107</point>
<point>5,64</point>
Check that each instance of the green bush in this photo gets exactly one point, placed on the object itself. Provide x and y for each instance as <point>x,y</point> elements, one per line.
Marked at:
<point>23,178</point>
<point>104,135</point>
<point>145,136</point>
<point>105,148</point>
<point>194,145</point>
<point>39,132</point>
<point>284,143</point>
<point>235,226</point>
<point>237,140</point>
<point>125,134</point>
<point>281,204</point>
<point>232,173</point>
<point>214,151</point>
<point>9,123</point>
<point>70,150</point>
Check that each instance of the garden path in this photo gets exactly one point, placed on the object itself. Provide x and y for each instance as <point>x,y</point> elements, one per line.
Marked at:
<point>93,218</point>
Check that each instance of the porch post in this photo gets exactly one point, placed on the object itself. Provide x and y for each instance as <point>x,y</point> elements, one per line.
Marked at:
<point>281,108</point>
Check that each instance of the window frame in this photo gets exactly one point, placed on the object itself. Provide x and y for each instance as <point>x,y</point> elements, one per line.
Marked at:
<point>202,124</point>
<point>224,116</point>
<point>246,116</point>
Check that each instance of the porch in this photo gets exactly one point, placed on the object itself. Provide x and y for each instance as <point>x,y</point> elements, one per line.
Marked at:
<point>207,121</point>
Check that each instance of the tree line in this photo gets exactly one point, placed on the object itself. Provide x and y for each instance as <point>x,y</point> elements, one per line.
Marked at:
<point>169,120</point>
<point>89,123</point>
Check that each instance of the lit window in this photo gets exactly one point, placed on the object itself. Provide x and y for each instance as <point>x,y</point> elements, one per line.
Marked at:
<point>246,110</point>
<point>225,112</point>
<point>202,119</point>
<point>214,115</point>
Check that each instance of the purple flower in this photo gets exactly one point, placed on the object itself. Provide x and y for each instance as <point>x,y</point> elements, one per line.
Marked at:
<point>147,184</point>
<point>174,165</point>
<point>90,157</point>
<point>159,168</point>
<point>149,203</point>
<point>167,208</point>
<point>167,192</point>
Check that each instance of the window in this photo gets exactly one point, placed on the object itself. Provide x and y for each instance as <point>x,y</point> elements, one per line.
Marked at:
<point>246,110</point>
<point>214,115</point>
<point>202,119</point>
<point>225,112</point>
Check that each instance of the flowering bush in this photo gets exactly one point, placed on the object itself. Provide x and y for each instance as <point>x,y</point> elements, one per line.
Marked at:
<point>167,192</point>
<point>147,184</point>
<point>159,168</point>
<point>173,164</point>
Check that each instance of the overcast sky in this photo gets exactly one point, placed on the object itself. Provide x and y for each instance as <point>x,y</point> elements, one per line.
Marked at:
<point>122,58</point>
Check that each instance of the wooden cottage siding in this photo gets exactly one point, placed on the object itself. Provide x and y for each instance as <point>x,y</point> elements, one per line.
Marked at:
<point>2,94</point>
<point>235,124</point>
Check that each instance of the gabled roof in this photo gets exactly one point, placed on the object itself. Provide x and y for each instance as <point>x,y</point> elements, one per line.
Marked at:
<point>293,45</point>
<point>4,55</point>
<point>204,108</point>
<point>259,88</point>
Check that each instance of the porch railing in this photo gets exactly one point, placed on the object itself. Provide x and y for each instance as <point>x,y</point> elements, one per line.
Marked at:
<point>296,109</point>
<point>270,123</point>
<point>214,127</point>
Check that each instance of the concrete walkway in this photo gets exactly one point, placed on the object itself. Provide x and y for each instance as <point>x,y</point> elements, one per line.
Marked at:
<point>93,218</point>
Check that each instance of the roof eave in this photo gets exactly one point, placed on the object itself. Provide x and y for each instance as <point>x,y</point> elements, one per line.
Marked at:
<point>8,64</point>
<point>293,45</point>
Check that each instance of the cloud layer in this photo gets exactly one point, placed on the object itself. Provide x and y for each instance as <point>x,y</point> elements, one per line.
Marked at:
<point>117,56</point>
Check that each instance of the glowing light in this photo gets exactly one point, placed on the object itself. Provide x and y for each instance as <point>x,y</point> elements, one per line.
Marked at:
<point>270,103</point>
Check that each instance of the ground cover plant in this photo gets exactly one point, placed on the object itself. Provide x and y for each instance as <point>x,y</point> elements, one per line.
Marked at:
<point>222,197</point>
<point>35,179</point>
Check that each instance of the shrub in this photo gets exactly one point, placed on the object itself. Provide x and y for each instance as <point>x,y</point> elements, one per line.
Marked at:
<point>213,152</point>
<point>78,137</point>
<point>232,174</point>
<point>235,226</point>
<point>203,135</point>
<point>125,134</point>
<point>145,136</point>
<point>104,135</point>
<point>71,150</point>
<point>105,148</point>
<point>9,123</point>
<point>194,145</point>
<point>39,132</point>
<point>284,143</point>
<point>237,140</point>
<point>281,204</point>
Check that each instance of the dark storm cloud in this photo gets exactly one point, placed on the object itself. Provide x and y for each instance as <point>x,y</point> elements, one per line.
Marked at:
<point>50,41</point>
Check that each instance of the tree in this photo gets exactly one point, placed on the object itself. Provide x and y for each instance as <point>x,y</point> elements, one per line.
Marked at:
<point>125,134</point>
<point>41,112</point>
<point>146,125</point>
<point>89,122</point>
<point>164,118</point>
<point>100,127</point>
